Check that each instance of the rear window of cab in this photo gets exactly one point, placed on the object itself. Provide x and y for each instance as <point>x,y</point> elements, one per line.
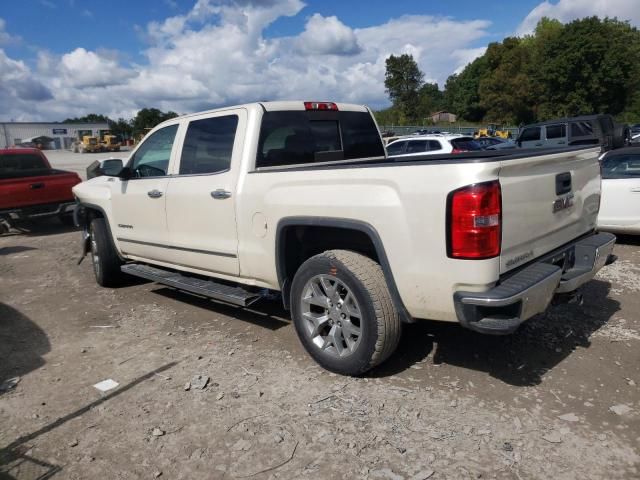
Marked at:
<point>22,165</point>
<point>303,137</point>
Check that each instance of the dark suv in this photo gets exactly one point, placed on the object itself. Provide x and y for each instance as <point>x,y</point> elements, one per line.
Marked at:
<point>585,130</point>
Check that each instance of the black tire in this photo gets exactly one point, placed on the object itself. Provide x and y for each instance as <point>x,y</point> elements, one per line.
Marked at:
<point>380,325</point>
<point>105,260</point>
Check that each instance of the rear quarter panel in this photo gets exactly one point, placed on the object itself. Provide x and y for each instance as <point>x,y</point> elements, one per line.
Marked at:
<point>405,204</point>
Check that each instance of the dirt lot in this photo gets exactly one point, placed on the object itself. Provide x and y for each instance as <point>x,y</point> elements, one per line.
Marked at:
<point>559,399</point>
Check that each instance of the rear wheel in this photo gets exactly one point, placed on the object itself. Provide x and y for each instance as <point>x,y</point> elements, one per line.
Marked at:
<point>343,313</point>
<point>105,260</point>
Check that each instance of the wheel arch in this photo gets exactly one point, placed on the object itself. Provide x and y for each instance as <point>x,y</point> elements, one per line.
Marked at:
<point>83,214</point>
<point>288,260</point>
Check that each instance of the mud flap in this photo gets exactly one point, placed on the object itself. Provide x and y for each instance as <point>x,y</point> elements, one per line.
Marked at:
<point>86,239</point>
<point>80,220</point>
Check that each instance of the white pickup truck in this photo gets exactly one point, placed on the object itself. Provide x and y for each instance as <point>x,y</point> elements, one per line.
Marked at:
<point>301,198</point>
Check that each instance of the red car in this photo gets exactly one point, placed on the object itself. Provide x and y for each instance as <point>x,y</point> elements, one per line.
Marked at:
<point>30,188</point>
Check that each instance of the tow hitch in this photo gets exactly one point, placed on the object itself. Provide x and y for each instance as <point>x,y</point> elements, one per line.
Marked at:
<point>571,298</point>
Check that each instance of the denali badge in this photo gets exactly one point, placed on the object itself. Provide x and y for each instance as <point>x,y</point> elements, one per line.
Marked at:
<point>563,203</point>
<point>519,258</point>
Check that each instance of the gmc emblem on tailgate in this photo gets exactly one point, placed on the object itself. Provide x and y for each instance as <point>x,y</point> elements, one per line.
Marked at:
<point>563,203</point>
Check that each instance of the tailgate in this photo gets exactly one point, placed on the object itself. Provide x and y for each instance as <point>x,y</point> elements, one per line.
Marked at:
<point>547,201</point>
<point>28,191</point>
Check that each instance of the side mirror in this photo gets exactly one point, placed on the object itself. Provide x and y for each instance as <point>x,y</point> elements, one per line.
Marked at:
<point>110,167</point>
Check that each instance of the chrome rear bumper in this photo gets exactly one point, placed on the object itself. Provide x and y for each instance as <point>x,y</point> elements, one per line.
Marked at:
<point>502,309</point>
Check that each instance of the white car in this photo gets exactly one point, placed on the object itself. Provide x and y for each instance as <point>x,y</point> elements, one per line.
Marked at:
<point>620,207</point>
<point>431,145</point>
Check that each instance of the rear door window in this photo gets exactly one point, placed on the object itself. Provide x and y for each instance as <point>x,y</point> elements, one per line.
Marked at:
<point>556,131</point>
<point>300,137</point>
<point>581,129</point>
<point>208,145</point>
<point>417,146</point>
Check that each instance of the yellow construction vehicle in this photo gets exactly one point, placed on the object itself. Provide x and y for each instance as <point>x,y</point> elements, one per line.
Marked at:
<point>493,130</point>
<point>109,142</point>
<point>88,143</point>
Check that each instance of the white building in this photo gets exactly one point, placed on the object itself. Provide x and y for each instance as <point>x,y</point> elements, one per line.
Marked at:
<point>61,134</point>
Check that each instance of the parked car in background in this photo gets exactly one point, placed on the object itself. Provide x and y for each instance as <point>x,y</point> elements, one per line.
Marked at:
<point>426,131</point>
<point>431,145</point>
<point>495,143</point>
<point>575,131</point>
<point>30,188</point>
<point>620,204</point>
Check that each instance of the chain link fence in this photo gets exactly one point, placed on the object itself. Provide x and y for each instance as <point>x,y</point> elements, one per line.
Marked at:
<point>450,128</point>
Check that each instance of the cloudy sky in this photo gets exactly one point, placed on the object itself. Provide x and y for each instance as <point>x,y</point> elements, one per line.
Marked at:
<point>62,58</point>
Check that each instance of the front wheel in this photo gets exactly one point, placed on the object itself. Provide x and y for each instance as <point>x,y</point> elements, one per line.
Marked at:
<point>105,260</point>
<point>343,312</point>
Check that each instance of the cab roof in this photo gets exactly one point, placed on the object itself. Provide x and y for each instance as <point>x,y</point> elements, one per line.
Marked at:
<point>285,105</point>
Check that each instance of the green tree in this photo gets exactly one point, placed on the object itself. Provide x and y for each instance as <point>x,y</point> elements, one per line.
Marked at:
<point>121,127</point>
<point>90,118</point>
<point>430,100</point>
<point>403,80</point>
<point>591,67</point>
<point>149,118</point>
<point>505,88</point>
<point>461,94</point>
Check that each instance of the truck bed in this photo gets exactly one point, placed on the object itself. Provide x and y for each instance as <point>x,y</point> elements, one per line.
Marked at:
<point>39,187</point>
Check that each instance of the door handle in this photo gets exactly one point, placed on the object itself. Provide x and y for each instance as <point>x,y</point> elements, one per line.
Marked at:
<point>220,194</point>
<point>635,190</point>
<point>154,193</point>
<point>538,144</point>
<point>36,186</point>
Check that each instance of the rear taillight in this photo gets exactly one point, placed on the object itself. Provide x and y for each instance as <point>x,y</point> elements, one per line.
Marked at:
<point>458,150</point>
<point>320,106</point>
<point>474,216</point>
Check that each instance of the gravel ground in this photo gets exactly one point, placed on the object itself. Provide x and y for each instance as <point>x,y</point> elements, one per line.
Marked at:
<point>559,399</point>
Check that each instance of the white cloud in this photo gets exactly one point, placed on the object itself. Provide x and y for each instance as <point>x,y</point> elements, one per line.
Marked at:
<point>217,54</point>
<point>328,36</point>
<point>19,89</point>
<point>568,10</point>
<point>82,68</point>
<point>5,37</point>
